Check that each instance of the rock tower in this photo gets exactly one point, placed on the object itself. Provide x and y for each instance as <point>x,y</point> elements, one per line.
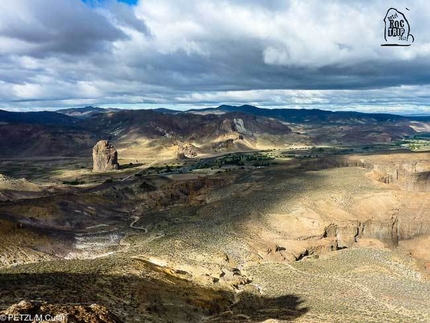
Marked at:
<point>105,157</point>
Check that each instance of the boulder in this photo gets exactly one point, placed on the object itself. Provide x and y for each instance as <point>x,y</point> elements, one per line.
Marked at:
<point>105,157</point>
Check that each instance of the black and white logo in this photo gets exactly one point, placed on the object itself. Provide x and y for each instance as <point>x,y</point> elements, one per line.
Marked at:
<point>397,31</point>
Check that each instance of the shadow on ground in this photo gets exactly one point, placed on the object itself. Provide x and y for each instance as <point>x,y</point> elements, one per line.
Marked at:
<point>156,297</point>
<point>131,165</point>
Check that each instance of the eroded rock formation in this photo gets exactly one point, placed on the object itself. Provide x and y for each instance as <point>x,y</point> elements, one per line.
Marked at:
<point>186,151</point>
<point>105,157</point>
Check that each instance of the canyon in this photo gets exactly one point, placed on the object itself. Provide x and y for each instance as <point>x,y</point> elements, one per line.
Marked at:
<point>217,229</point>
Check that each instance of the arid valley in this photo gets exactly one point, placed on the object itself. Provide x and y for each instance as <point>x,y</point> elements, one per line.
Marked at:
<point>224,215</point>
<point>166,161</point>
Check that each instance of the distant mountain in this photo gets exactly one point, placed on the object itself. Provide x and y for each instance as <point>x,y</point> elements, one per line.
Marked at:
<point>312,116</point>
<point>136,131</point>
<point>23,140</point>
<point>74,131</point>
<point>164,110</point>
<point>43,133</point>
<point>85,112</point>
<point>182,125</point>
<point>40,117</point>
<point>305,116</point>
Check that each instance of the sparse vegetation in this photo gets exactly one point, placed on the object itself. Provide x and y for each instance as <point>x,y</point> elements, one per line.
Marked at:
<point>198,221</point>
<point>74,182</point>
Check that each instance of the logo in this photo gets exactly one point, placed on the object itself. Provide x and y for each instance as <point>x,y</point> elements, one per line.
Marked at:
<point>397,31</point>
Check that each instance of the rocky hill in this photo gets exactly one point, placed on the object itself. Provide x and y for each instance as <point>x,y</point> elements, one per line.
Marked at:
<point>73,132</point>
<point>85,112</point>
<point>32,140</point>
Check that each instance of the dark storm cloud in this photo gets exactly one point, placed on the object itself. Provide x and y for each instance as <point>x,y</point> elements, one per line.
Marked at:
<point>124,15</point>
<point>273,53</point>
<point>46,26</point>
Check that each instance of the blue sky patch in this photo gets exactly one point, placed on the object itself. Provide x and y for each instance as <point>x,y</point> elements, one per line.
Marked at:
<point>95,2</point>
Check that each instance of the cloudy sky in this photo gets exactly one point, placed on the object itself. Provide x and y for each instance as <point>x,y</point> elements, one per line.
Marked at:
<point>186,54</point>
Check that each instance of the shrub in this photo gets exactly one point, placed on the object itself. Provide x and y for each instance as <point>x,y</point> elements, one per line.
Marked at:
<point>74,182</point>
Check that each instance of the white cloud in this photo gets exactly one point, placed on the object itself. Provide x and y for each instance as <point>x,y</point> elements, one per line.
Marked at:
<point>277,53</point>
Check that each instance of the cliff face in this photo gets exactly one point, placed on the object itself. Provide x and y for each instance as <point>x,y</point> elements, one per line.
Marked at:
<point>408,175</point>
<point>407,171</point>
<point>386,205</point>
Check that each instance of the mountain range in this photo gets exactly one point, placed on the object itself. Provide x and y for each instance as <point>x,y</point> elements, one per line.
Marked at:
<point>72,132</point>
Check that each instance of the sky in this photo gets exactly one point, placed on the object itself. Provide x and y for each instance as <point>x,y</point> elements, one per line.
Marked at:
<point>189,54</point>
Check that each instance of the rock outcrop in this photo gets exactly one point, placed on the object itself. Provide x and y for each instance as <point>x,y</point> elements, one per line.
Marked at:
<point>105,157</point>
<point>186,151</point>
